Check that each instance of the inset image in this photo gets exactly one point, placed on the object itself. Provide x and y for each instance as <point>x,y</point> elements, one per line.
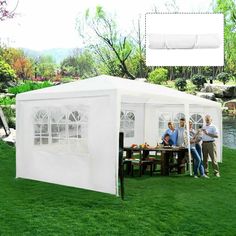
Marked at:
<point>184,39</point>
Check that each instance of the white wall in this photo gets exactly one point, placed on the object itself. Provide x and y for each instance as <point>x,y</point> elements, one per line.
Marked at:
<point>64,164</point>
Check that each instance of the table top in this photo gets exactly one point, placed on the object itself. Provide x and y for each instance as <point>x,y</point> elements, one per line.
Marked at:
<point>165,148</point>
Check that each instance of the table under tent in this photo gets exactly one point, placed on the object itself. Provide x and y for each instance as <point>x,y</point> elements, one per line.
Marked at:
<point>69,134</point>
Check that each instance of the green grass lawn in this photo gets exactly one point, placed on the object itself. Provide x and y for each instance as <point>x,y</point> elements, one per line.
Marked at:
<point>175,205</point>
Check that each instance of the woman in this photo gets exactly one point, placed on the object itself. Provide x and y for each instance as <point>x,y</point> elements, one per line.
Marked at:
<point>196,152</point>
<point>172,133</point>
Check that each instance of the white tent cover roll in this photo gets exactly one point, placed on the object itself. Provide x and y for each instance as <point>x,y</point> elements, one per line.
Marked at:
<point>68,134</point>
<point>183,41</point>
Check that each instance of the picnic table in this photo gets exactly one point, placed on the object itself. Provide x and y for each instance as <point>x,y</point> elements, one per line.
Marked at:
<point>166,156</point>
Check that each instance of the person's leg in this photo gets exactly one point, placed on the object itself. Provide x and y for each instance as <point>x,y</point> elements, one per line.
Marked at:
<point>199,149</point>
<point>201,167</point>
<point>213,156</point>
<point>196,161</point>
<point>205,156</point>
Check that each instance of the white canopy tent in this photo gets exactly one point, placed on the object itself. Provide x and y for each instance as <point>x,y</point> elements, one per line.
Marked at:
<point>69,134</point>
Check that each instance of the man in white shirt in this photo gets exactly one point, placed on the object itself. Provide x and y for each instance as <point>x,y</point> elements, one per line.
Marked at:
<point>180,133</point>
<point>210,133</point>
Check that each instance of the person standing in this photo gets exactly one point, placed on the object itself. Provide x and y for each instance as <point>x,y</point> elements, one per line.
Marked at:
<point>210,133</point>
<point>181,133</point>
<point>182,141</point>
<point>196,153</point>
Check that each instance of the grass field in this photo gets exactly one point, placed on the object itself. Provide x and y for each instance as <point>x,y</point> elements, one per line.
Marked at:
<point>176,205</point>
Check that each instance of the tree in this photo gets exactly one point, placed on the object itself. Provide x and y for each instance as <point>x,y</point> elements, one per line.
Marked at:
<point>223,77</point>
<point>24,68</point>
<point>228,8</point>
<point>81,64</point>
<point>136,62</point>
<point>16,58</point>
<point>105,29</point>
<point>158,76</point>
<point>7,74</point>
<point>181,84</point>
<point>46,67</point>
<point>198,80</point>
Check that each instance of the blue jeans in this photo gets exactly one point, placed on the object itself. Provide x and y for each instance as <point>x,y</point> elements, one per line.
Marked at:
<point>197,155</point>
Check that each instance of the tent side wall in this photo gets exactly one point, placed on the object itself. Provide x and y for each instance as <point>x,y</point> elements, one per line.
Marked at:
<point>70,141</point>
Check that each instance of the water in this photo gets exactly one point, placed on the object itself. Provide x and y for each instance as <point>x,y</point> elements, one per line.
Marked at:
<point>229,131</point>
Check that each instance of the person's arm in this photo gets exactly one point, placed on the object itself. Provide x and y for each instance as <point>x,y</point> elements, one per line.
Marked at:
<point>162,137</point>
<point>212,135</point>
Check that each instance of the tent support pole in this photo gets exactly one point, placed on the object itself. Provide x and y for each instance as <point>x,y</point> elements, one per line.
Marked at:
<point>186,111</point>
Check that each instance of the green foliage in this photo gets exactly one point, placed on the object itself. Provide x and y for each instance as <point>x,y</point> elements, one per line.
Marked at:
<point>10,115</point>
<point>198,80</point>
<point>158,76</point>
<point>7,74</point>
<point>46,67</point>
<point>224,77</point>
<point>7,101</point>
<point>81,65</point>
<point>35,208</point>
<point>181,84</point>
<point>118,48</point>
<point>28,86</point>
<point>67,79</point>
<point>228,8</point>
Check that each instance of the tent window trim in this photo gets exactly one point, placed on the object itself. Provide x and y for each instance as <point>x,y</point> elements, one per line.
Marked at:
<point>127,123</point>
<point>55,125</point>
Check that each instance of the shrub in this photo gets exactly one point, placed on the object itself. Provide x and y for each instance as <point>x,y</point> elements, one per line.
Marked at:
<point>158,76</point>
<point>67,79</point>
<point>7,74</point>
<point>28,86</point>
<point>223,77</point>
<point>10,115</point>
<point>181,84</point>
<point>198,80</point>
<point>7,101</point>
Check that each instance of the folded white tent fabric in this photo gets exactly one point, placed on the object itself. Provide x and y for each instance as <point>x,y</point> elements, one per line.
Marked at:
<point>183,41</point>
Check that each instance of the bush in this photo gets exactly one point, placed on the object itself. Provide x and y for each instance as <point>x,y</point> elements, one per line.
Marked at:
<point>158,76</point>
<point>67,79</point>
<point>223,77</point>
<point>7,74</point>
<point>198,80</point>
<point>28,86</point>
<point>10,115</point>
<point>181,84</point>
<point>7,101</point>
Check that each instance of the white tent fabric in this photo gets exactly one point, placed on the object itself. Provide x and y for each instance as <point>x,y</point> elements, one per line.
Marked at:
<point>183,41</point>
<point>68,134</point>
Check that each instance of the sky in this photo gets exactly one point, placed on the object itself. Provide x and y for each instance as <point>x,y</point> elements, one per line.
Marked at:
<point>45,24</point>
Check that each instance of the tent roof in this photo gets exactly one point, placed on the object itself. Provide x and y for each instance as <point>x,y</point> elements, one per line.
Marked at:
<point>127,88</point>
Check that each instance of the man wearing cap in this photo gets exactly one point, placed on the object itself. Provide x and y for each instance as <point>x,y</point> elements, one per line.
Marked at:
<point>210,133</point>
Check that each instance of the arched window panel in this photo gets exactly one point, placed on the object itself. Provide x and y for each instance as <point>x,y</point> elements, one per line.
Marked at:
<point>177,117</point>
<point>127,123</point>
<point>164,118</point>
<point>57,125</point>
<point>58,116</point>
<point>197,120</point>
<point>41,116</point>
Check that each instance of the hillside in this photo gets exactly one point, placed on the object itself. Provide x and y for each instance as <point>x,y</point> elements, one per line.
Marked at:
<point>58,54</point>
